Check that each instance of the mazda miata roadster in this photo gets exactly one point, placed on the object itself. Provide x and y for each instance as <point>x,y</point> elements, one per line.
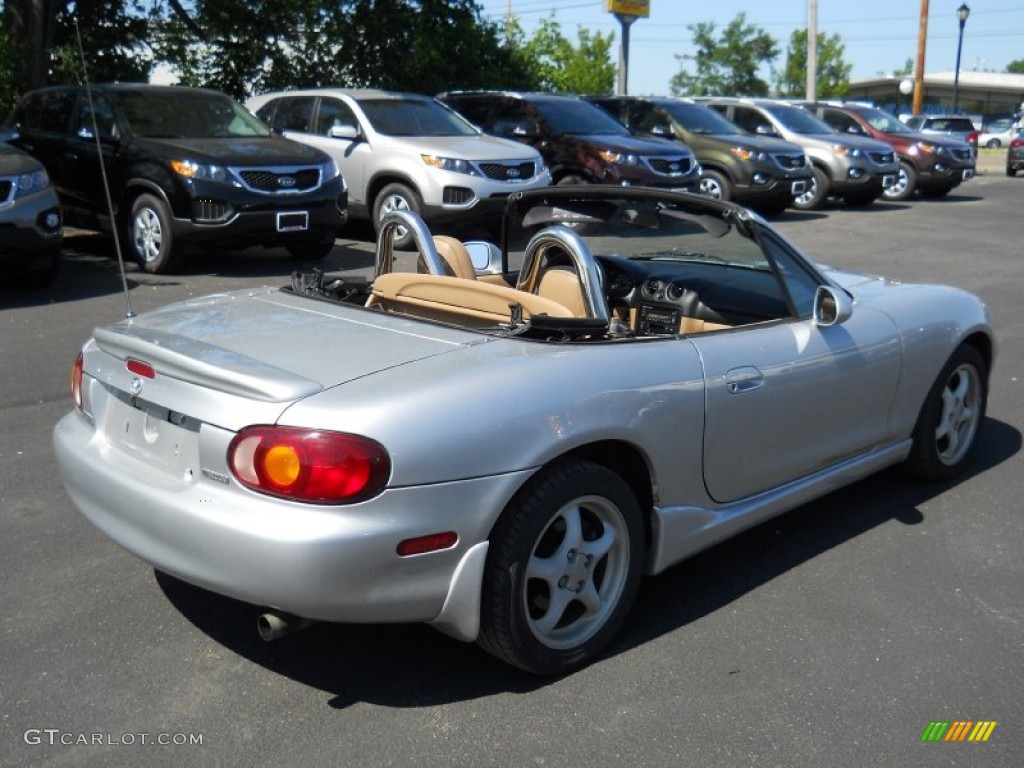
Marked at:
<point>501,439</point>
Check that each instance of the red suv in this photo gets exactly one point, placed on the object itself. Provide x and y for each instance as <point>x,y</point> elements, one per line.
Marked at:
<point>929,164</point>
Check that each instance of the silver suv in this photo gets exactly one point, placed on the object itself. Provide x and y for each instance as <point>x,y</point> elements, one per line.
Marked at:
<point>405,151</point>
<point>855,168</point>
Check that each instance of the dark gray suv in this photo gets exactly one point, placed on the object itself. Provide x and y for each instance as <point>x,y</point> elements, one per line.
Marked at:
<point>30,220</point>
<point>185,166</point>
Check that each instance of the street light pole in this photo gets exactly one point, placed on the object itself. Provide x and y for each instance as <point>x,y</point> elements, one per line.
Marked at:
<point>961,14</point>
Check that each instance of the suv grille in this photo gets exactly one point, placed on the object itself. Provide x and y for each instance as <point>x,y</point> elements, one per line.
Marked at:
<point>508,171</point>
<point>6,190</point>
<point>882,158</point>
<point>669,166</point>
<point>282,180</point>
<point>790,162</point>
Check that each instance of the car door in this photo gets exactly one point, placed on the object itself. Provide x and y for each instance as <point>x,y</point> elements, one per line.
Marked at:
<point>350,151</point>
<point>94,132</point>
<point>788,398</point>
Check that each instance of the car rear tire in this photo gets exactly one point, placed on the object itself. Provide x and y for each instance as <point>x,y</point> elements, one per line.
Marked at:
<point>947,430</point>
<point>1011,172</point>
<point>906,183</point>
<point>153,244</point>
<point>397,197</point>
<point>715,185</point>
<point>816,192</point>
<point>563,569</point>
<point>993,144</point>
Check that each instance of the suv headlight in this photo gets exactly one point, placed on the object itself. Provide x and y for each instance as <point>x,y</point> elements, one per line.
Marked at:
<point>453,164</point>
<point>745,153</point>
<point>928,149</point>
<point>618,158</point>
<point>193,170</point>
<point>844,151</point>
<point>30,182</point>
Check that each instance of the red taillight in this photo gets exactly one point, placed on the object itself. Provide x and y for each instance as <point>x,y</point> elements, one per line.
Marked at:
<point>309,465</point>
<point>423,544</point>
<point>1017,143</point>
<point>76,381</point>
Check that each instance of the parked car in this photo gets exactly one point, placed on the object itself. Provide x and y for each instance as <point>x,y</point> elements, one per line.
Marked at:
<point>1015,154</point>
<point>580,142</point>
<point>855,168</point>
<point>405,151</point>
<point>946,125</point>
<point>30,220</point>
<point>503,454</point>
<point>998,133</point>
<point>759,171</point>
<point>930,164</point>
<point>184,167</point>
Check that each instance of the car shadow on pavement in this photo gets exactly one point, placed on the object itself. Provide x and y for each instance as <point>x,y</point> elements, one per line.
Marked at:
<point>412,665</point>
<point>89,268</point>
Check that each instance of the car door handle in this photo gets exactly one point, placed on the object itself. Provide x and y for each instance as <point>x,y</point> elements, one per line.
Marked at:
<point>745,379</point>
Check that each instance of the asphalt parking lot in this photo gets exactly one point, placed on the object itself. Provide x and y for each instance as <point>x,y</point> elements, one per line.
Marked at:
<point>830,636</point>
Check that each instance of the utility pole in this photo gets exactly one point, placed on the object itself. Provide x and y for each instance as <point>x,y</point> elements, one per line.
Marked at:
<point>812,50</point>
<point>922,37</point>
<point>626,11</point>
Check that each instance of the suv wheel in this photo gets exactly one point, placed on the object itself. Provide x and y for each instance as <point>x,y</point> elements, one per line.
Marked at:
<point>43,273</point>
<point>153,244</point>
<point>396,197</point>
<point>816,192</point>
<point>312,249</point>
<point>906,183</point>
<point>715,185</point>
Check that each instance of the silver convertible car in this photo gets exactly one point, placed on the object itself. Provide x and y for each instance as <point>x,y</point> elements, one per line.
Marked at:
<point>501,441</point>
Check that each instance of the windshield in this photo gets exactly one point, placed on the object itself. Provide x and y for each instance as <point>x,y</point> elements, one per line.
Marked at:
<point>702,120</point>
<point>641,229</point>
<point>884,122</point>
<point>578,117</point>
<point>799,120</point>
<point>184,113</point>
<point>414,117</point>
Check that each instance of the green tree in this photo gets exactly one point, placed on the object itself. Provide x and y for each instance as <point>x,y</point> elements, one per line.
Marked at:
<point>833,75</point>
<point>560,66</point>
<point>906,70</point>
<point>727,64</point>
<point>9,81</point>
<point>1016,67</point>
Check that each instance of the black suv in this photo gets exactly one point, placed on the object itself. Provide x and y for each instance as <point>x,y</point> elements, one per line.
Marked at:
<point>580,142</point>
<point>184,166</point>
<point>760,171</point>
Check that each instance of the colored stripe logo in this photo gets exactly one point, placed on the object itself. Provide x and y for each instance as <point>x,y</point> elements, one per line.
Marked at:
<point>959,730</point>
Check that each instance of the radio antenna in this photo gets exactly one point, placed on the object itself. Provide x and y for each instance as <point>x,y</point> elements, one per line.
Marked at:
<point>130,313</point>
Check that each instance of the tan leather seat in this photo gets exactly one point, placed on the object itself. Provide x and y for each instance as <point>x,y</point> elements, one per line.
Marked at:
<point>455,255</point>
<point>561,284</point>
<point>457,300</point>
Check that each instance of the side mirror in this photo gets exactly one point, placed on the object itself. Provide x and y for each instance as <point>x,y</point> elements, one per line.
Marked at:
<point>765,130</point>
<point>832,306</point>
<point>350,132</point>
<point>486,257</point>
<point>661,129</point>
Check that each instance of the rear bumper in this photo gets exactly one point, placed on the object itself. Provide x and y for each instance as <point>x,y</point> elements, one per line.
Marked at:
<point>327,563</point>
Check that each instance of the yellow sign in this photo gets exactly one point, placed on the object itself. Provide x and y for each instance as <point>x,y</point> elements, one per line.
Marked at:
<point>640,8</point>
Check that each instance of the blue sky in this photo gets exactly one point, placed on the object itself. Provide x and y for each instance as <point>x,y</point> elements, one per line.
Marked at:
<point>879,35</point>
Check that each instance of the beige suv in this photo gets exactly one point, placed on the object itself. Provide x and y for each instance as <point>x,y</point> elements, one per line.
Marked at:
<point>405,151</point>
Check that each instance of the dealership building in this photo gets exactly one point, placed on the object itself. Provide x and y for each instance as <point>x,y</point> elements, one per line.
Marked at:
<point>984,96</point>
